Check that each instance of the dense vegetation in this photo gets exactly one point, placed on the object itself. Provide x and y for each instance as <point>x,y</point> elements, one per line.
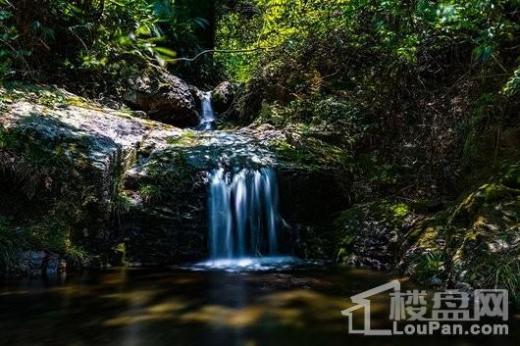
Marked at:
<point>422,96</point>
<point>99,43</point>
<point>425,80</point>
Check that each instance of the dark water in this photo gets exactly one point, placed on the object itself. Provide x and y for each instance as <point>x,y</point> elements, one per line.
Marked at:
<point>146,307</point>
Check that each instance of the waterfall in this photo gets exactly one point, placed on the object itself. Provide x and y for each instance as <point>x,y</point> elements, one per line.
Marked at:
<point>243,213</point>
<point>243,217</point>
<point>207,122</point>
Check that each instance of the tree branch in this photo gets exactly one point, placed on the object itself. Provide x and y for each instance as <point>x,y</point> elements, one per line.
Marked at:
<point>225,51</point>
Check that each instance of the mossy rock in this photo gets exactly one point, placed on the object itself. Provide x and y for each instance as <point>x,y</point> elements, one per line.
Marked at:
<point>489,239</point>
<point>476,242</point>
<point>370,234</point>
<point>61,158</point>
<point>424,247</point>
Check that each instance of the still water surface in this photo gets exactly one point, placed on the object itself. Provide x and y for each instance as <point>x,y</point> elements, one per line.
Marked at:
<point>183,307</point>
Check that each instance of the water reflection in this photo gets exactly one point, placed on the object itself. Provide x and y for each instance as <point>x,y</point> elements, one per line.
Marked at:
<point>142,307</point>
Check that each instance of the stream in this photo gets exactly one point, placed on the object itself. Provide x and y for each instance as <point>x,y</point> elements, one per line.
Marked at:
<point>186,307</point>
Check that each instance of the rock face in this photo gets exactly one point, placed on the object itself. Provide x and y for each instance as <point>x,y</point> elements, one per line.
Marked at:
<point>167,188</point>
<point>166,98</point>
<point>61,160</point>
<point>474,243</point>
<point>222,96</point>
<point>91,144</point>
<point>165,221</point>
<point>89,180</point>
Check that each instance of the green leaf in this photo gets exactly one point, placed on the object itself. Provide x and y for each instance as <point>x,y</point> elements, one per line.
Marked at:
<point>165,52</point>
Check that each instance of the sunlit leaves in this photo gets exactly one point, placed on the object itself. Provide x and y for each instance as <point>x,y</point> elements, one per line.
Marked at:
<point>512,88</point>
<point>395,28</point>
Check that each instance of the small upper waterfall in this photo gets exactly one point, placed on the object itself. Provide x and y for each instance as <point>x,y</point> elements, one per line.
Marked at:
<point>243,213</point>
<point>207,122</point>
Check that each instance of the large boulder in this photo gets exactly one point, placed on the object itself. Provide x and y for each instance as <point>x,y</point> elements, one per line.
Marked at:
<point>60,162</point>
<point>475,243</point>
<point>166,98</point>
<point>222,96</point>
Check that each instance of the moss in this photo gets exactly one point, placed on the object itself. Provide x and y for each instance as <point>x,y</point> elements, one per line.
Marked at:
<point>484,197</point>
<point>311,152</point>
<point>400,210</point>
<point>48,96</point>
<point>188,138</point>
<point>371,231</point>
<point>474,241</point>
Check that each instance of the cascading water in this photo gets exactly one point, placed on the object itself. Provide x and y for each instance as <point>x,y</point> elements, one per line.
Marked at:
<point>207,121</point>
<point>243,213</point>
<point>243,205</point>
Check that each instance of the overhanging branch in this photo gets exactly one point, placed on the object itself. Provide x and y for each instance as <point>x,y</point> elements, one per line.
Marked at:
<point>224,51</point>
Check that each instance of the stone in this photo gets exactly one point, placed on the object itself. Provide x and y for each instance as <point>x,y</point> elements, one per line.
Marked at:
<point>164,97</point>
<point>67,173</point>
<point>36,263</point>
<point>371,234</point>
<point>30,263</point>
<point>222,96</point>
<point>53,265</point>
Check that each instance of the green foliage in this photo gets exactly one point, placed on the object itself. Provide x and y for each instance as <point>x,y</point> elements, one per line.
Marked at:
<point>150,193</point>
<point>429,265</point>
<point>98,42</point>
<point>398,30</point>
<point>508,276</point>
<point>512,87</point>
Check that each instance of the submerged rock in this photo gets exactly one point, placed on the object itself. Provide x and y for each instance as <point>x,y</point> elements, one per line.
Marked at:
<point>38,263</point>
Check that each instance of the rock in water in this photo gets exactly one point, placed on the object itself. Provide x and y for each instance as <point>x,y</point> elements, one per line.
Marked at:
<point>166,98</point>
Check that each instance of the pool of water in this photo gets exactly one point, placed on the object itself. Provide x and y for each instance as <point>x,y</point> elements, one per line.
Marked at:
<point>256,264</point>
<point>193,306</point>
